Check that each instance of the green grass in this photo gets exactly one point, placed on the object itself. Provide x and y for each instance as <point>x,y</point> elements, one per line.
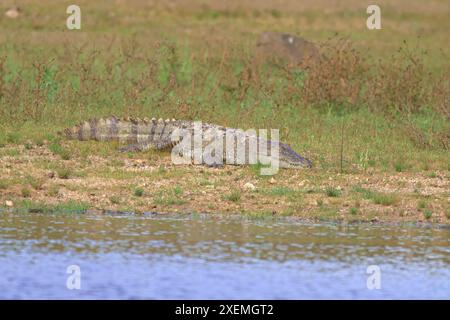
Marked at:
<point>56,148</point>
<point>234,196</point>
<point>115,199</point>
<point>366,193</point>
<point>385,199</point>
<point>178,191</point>
<point>70,206</point>
<point>278,191</point>
<point>64,173</point>
<point>427,214</point>
<point>138,192</point>
<point>332,192</point>
<point>3,184</point>
<point>399,167</point>
<point>169,197</point>
<point>421,205</point>
<point>28,146</point>
<point>13,137</point>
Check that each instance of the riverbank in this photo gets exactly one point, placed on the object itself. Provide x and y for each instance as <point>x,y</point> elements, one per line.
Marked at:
<point>34,177</point>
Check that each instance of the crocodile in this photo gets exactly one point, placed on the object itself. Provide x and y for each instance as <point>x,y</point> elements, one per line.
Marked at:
<point>145,134</point>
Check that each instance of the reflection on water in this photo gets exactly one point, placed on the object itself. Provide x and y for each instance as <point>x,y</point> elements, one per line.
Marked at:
<point>130,256</point>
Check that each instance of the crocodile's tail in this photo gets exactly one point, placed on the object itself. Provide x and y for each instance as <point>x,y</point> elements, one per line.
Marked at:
<point>107,129</point>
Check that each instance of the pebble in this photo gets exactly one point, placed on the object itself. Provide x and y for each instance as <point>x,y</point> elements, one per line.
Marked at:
<point>249,186</point>
<point>9,203</point>
<point>272,181</point>
<point>13,13</point>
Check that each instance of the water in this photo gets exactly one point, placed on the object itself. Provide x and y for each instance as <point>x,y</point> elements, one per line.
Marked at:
<point>209,257</point>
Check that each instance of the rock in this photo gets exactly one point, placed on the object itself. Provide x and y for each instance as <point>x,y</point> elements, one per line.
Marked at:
<point>272,180</point>
<point>249,186</point>
<point>9,203</point>
<point>288,47</point>
<point>13,12</point>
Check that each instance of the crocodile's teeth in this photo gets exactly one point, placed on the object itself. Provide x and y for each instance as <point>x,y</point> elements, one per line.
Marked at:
<point>167,121</point>
<point>160,120</point>
<point>173,120</point>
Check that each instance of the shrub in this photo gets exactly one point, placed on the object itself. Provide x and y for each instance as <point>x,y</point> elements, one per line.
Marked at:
<point>139,192</point>
<point>332,192</point>
<point>427,214</point>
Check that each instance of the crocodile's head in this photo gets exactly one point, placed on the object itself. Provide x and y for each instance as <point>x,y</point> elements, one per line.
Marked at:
<point>288,158</point>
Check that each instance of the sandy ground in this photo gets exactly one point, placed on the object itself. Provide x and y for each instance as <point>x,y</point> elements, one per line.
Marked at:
<point>108,181</point>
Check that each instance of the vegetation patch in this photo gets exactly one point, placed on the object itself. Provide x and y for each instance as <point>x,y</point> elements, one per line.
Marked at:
<point>233,196</point>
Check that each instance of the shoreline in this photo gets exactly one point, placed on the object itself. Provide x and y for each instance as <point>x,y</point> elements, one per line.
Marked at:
<point>240,217</point>
<point>96,177</point>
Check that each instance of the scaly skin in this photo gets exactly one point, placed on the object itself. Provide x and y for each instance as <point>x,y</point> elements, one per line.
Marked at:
<point>144,134</point>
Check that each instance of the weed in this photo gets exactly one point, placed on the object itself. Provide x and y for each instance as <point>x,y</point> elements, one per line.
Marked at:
<point>13,137</point>
<point>332,192</point>
<point>427,214</point>
<point>138,192</point>
<point>234,196</point>
<point>115,199</point>
<point>385,199</point>
<point>421,205</point>
<point>279,191</point>
<point>178,191</point>
<point>399,167</point>
<point>64,173</point>
<point>26,193</point>
<point>56,148</point>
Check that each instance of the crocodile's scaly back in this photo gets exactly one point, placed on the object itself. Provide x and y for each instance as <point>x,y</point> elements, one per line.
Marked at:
<point>125,130</point>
